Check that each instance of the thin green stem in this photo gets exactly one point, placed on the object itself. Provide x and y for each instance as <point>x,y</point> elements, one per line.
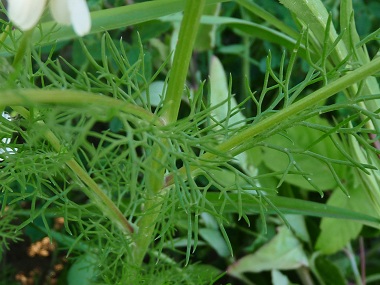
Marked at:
<point>97,196</point>
<point>304,274</point>
<point>22,49</point>
<point>30,97</point>
<point>268,17</point>
<point>311,100</point>
<point>169,113</point>
<point>354,266</point>
<point>4,34</point>
<point>233,143</point>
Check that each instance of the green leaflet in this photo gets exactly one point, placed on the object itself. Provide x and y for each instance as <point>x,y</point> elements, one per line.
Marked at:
<point>283,252</point>
<point>328,272</point>
<point>227,114</point>
<point>288,153</point>
<point>278,278</point>
<point>84,270</point>
<point>335,235</point>
<point>206,34</point>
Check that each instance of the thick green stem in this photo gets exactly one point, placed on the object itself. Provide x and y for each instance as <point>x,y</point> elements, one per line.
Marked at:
<point>169,113</point>
<point>181,61</point>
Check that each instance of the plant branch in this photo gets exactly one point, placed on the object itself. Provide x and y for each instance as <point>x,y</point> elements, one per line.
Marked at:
<point>232,144</point>
<point>30,97</point>
<point>181,61</point>
<point>97,196</point>
<point>169,113</point>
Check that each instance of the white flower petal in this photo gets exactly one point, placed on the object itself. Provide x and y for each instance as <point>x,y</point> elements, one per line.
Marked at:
<point>25,13</point>
<point>80,16</point>
<point>60,11</point>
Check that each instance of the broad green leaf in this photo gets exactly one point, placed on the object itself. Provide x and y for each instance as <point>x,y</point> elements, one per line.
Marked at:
<point>226,112</point>
<point>209,221</point>
<point>83,271</point>
<point>225,105</point>
<point>215,239</point>
<point>151,30</point>
<point>229,179</point>
<point>155,93</point>
<point>292,145</point>
<point>212,235</point>
<point>335,235</point>
<point>314,15</point>
<point>370,183</point>
<point>298,225</point>
<point>278,278</point>
<point>328,272</point>
<point>351,38</point>
<point>206,33</point>
<point>268,17</point>
<point>283,252</point>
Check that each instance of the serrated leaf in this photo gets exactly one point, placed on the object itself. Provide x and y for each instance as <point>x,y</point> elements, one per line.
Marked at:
<point>283,252</point>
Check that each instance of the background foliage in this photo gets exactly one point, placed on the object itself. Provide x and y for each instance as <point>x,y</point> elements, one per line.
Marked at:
<point>263,170</point>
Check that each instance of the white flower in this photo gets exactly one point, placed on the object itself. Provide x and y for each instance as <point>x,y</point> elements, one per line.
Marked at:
<point>25,14</point>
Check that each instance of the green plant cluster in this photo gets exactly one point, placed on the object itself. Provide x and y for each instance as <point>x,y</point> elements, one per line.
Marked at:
<point>195,142</point>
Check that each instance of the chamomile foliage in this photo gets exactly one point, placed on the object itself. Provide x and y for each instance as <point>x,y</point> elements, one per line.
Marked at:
<point>310,150</point>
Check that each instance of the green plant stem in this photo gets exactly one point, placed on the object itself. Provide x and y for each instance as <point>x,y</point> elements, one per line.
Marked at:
<point>304,274</point>
<point>30,97</point>
<point>169,113</point>
<point>315,16</point>
<point>97,196</point>
<point>311,100</point>
<point>22,49</point>
<point>354,266</point>
<point>232,145</point>
<point>181,61</point>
